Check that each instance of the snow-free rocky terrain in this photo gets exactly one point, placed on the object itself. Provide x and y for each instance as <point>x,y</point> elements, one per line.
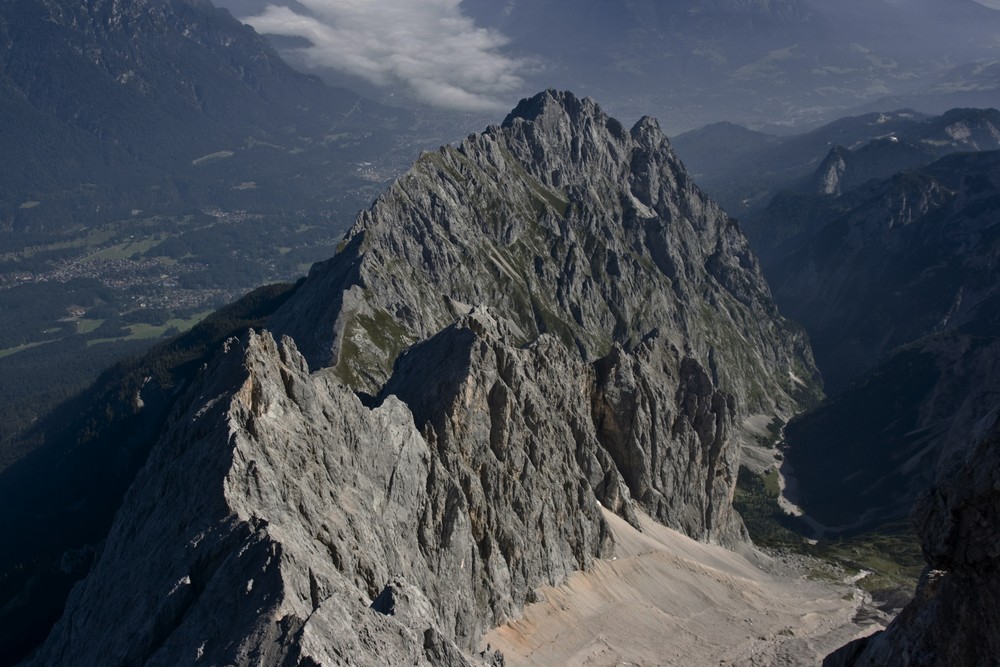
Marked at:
<point>533,345</point>
<point>953,619</point>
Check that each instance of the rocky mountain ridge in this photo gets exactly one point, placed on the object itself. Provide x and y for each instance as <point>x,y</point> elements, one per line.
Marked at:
<point>586,230</point>
<point>407,479</point>
<point>323,512</point>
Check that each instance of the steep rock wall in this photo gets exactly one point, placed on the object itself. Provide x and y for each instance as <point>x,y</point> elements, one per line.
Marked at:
<point>547,318</point>
<point>955,617</point>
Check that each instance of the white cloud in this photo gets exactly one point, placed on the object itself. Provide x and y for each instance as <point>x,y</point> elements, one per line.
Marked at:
<point>427,45</point>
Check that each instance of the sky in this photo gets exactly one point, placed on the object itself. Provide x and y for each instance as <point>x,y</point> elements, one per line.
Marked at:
<point>436,53</point>
<point>428,46</point>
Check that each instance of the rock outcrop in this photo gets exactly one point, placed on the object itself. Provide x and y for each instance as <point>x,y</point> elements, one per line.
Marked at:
<point>544,320</point>
<point>568,224</point>
<point>955,616</point>
<point>339,533</point>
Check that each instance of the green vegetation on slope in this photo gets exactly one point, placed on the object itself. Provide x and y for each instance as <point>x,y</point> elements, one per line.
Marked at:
<point>890,552</point>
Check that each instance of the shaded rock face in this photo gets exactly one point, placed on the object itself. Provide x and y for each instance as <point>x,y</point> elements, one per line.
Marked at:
<point>843,170</point>
<point>930,232</point>
<point>675,449</point>
<point>547,319</point>
<point>955,617</point>
<point>860,465</point>
<point>898,289</point>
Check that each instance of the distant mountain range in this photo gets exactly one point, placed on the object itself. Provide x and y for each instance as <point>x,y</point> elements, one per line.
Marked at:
<point>164,106</point>
<point>791,61</point>
<point>744,170</point>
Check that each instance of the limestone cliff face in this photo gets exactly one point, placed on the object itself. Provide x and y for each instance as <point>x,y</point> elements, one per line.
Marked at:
<point>567,223</point>
<point>543,320</point>
<point>670,431</point>
<point>956,613</point>
<point>281,521</point>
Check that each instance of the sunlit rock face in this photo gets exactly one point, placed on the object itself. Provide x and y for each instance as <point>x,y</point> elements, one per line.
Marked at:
<point>544,320</point>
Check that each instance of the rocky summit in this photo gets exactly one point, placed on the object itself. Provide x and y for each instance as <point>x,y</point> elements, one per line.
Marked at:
<point>542,320</point>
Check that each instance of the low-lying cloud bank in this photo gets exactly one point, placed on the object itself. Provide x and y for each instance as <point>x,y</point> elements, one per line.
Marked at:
<point>429,46</point>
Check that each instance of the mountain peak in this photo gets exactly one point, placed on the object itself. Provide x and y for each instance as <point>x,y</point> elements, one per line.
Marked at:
<point>543,323</point>
<point>647,131</point>
<point>562,223</point>
<point>552,109</point>
<point>549,102</point>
